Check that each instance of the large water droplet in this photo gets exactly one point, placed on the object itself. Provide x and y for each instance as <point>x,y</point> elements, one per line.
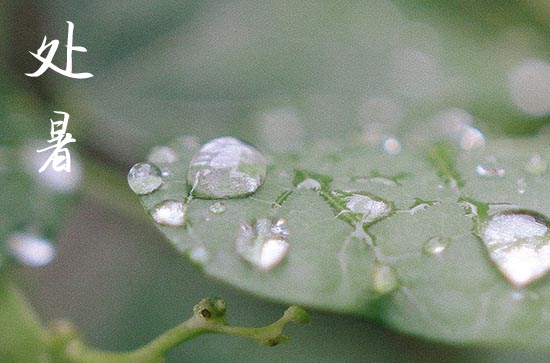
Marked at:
<point>384,279</point>
<point>263,244</point>
<point>31,250</point>
<point>226,168</point>
<point>519,244</point>
<point>144,178</point>
<point>435,246</point>
<point>169,213</point>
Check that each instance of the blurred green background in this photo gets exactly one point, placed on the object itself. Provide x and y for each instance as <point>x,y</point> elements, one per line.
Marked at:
<point>170,68</point>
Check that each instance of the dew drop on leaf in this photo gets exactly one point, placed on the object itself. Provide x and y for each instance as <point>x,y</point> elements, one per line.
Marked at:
<point>491,169</point>
<point>519,244</point>
<point>169,213</point>
<point>521,185</point>
<point>217,207</point>
<point>144,178</point>
<point>226,168</point>
<point>370,209</point>
<point>435,246</point>
<point>392,146</point>
<point>263,244</point>
<point>384,279</point>
<point>30,249</point>
<point>309,184</point>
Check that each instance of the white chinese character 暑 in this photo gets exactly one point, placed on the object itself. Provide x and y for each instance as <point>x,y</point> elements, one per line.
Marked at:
<point>48,59</point>
<point>60,158</point>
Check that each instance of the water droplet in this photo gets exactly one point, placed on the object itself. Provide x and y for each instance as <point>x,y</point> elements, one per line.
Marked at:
<point>491,169</point>
<point>31,250</point>
<point>162,154</point>
<point>144,178</point>
<point>528,83</point>
<point>263,244</point>
<point>384,279</point>
<point>472,139</point>
<point>217,208</point>
<point>519,244</point>
<point>536,165</point>
<point>309,184</point>
<point>435,246</point>
<point>226,168</point>
<point>199,254</point>
<point>522,185</point>
<point>370,209</point>
<point>392,146</point>
<point>169,213</point>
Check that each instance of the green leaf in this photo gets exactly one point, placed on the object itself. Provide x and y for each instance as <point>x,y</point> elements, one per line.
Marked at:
<point>335,253</point>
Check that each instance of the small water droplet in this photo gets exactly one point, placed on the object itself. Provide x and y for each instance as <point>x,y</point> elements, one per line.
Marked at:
<point>536,165</point>
<point>162,154</point>
<point>392,146</point>
<point>217,208</point>
<point>31,250</point>
<point>263,244</point>
<point>472,139</point>
<point>491,169</point>
<point>522,185</point>
<point>199,254</point>
<point>370,209</point>
<point>226,168</point>
<point>519,244</point>
<point>309,184</point>
<point>435,246</point>
<point>169,213</point>
<point>384,279</point>
<point>144,178</point>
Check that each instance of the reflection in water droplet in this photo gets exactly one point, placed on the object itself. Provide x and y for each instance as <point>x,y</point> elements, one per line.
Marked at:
<point>522,185</point>
<point>528,83</point>
<point>226,168</point>
<point>31,250</point>
<point>384,279</point>
<point>162,154</point>
<point>144,178</point>
<point>264,244</point>
<point>309,184</point>
<point>519,244</point>
<point>370,209</point>
<point>169,213</point>
<point>55,181</point>
<point>435,246</point>
<point>217,208</point>
<point>282,130</point>
<point>199,254</point>
<point>392,146</point>
<point>536,165</point>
